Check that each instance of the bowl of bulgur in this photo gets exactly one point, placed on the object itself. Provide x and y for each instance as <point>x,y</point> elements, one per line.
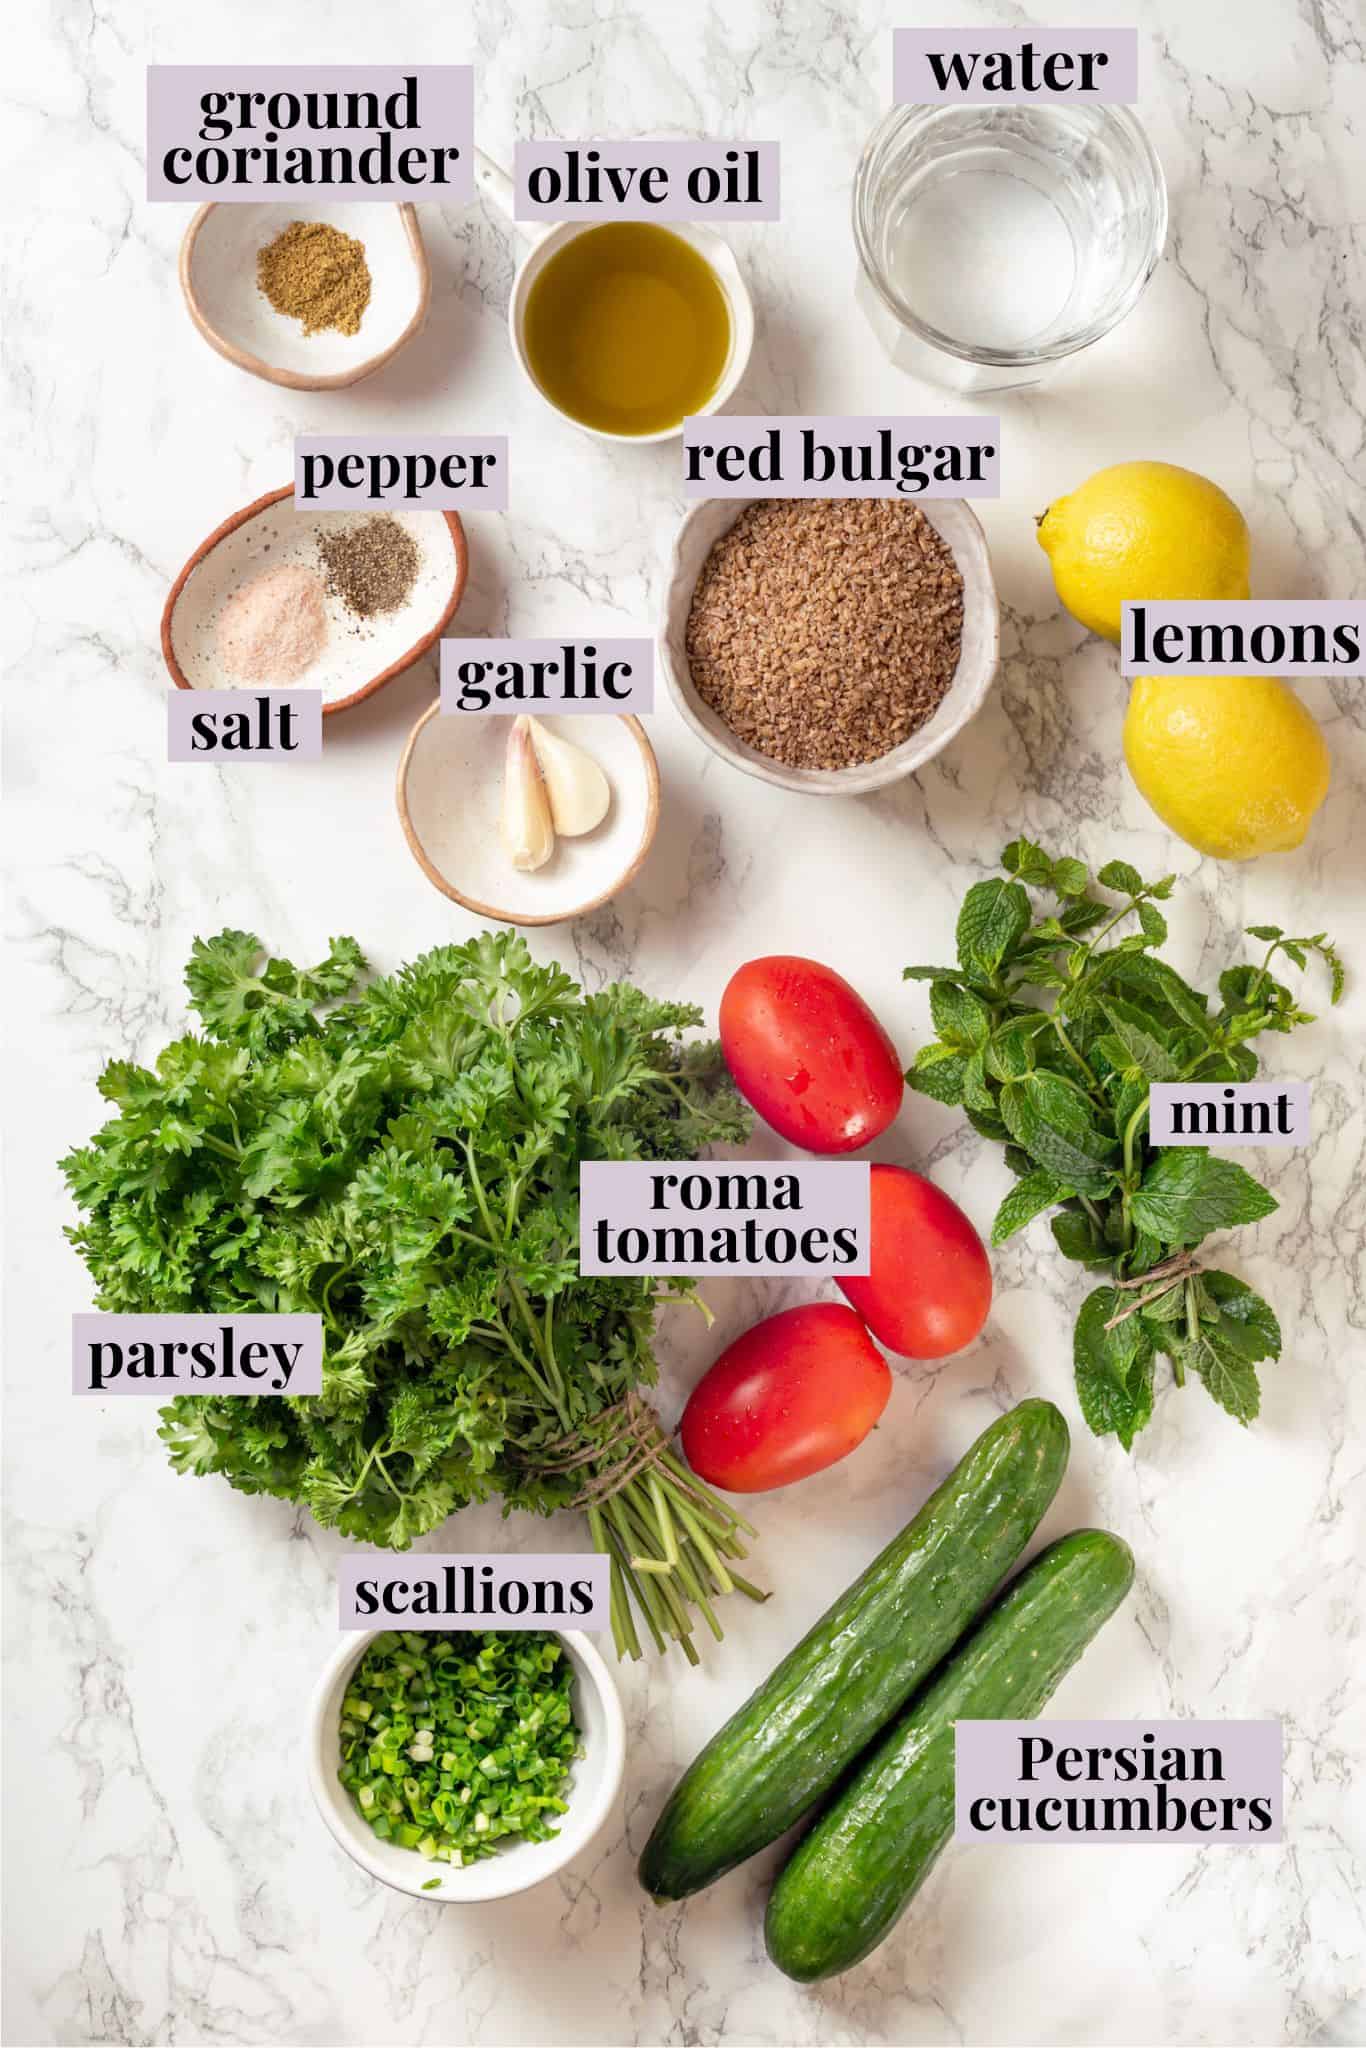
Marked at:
<point>829,645</point>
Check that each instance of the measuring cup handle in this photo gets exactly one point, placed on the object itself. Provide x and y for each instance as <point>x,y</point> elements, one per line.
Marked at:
<point>497,188</point>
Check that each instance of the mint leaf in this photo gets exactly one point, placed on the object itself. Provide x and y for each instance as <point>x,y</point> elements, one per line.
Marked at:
<point>1113,1368</point>
<point>1119,876</point>
<point>1246,1322</point>
<point>1081,914</point>
<point>1010,1054</point>
<point>1145,1050</point>
<point>937,1071</point>
<point>1077,1238</point>
<point>1186,1193</point>
<point>1230,1378</point>
<point>976,1093</point>
<point>961,1018</point>
<point>991,923</point>
<point>1028,862</point>
<point>1029,1197</point>
<point>1053,1122</point>
<point>1154,924</point>
<point>1070,877</point>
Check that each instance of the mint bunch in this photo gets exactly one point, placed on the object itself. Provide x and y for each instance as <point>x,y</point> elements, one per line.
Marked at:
<point>1049,1034</point>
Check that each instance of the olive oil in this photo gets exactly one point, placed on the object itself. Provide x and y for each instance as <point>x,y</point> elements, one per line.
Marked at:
<point>627,329</point>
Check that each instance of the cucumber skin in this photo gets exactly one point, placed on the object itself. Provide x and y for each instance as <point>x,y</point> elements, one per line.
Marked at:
<point>852,1877</point>
<point>793,1738</point>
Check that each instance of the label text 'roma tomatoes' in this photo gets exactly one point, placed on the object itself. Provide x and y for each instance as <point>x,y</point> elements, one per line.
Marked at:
<point>794,1394</point>
<point>928,1288</point>
<point>806,1051</point>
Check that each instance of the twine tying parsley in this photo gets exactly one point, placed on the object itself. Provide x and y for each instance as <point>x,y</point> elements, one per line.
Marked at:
<point>669,1537</point>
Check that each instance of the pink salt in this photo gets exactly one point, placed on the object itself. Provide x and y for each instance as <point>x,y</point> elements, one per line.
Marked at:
<point>274,627</point>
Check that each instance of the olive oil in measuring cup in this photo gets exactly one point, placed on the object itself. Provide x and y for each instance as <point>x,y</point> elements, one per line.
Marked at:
<point>627,329</point>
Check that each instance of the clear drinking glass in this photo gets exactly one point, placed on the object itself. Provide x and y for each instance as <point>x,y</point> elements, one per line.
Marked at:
<point>996,241</point>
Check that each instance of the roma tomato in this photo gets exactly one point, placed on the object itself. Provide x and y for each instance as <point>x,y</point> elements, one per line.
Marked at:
<point>930,1285</point>
<point>805,1050</point>
<point>796,1393</point>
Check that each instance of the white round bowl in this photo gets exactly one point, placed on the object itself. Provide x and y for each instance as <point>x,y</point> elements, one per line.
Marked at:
<point>218,279</point>
<point>593,1787</point>
<point>715,253</point>
<point>980,653</point>
<point>450,792</point>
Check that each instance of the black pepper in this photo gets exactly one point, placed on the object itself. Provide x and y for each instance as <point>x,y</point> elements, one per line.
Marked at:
<point>371,568</point>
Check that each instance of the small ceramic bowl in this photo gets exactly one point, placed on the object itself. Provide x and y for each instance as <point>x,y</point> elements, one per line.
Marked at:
<point>450,789</point>
<point>218,278</point>
<point>978,658</point>
<point>592,1789</point>
<point>361,654</point>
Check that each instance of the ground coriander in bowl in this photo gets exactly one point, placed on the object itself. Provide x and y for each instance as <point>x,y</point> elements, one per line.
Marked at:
<point>824,632</point>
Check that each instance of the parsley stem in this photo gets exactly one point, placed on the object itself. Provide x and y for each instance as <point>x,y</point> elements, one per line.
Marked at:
<point>221,1146</point>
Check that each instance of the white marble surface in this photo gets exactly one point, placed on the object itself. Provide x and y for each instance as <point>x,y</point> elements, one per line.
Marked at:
<point>168,1880</point>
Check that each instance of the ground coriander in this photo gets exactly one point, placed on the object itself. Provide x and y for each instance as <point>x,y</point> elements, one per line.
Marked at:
<point>314,273</point>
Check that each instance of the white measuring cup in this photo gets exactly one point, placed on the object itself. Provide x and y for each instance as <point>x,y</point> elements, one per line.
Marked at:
<point>542,242</point>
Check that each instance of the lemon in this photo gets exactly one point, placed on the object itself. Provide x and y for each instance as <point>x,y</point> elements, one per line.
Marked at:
<point>1143,530</point>
<point>1234,765</point>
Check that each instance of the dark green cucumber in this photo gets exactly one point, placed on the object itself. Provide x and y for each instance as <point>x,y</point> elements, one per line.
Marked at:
<point>794,1737</point>
<point>852,1877</point>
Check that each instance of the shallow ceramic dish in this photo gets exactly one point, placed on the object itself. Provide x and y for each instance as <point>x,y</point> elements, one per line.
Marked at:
<point>450,791</point>
<point>218,278</point>
<point>979,655</point>
<point>361,654</point>
<point>592,1790</point>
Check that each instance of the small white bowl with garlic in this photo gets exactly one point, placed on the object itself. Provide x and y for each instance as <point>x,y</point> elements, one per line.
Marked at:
<point>478,797</point>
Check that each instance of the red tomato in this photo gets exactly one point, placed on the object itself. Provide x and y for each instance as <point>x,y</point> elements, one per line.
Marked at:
<point>806,1051</point>
<point>930,1286</point>
<point>796,1393</point>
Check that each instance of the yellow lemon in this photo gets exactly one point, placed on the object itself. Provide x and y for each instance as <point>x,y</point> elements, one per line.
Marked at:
<point>1233,764</point>
<point>1143,529</point>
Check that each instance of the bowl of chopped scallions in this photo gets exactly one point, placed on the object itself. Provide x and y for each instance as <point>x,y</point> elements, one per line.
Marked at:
<point>464,1765</point>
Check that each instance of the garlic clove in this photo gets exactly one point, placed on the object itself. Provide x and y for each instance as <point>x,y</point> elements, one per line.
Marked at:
<point>525,823</point>
<point>578,791</point>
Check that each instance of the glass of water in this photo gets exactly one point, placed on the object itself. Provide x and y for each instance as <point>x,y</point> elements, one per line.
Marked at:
<point>994,242</point>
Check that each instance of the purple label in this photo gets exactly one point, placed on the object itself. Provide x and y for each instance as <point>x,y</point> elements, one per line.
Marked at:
<point>285,131</point>
<point>646,180</point>
<point>165,1355</point>
<point>759,1216</point>
<point>244,725</point>
<point>379,1590</point>
<point>1263,636</point>
<point>559,675</point>
<point>992,65</point>
<point>1228,1113</point>
<point>886,456</point>
<point>432,472</point>
<point>1117,1781</point>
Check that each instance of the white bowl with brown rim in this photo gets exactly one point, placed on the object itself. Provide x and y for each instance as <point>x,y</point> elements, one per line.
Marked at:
<point>218,278</point>
<point>360,655</point>
<point>979,654</point>
<point>450,788</point>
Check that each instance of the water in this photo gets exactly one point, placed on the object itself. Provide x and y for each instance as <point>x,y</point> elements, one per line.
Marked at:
<point>982,255</point>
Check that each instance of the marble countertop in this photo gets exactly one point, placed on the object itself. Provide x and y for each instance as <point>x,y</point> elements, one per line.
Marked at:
<point>169,1880</point>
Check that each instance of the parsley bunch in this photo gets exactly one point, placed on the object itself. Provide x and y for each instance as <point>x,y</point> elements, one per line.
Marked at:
<point>1049,1038</point>
<point>402,1158</point>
